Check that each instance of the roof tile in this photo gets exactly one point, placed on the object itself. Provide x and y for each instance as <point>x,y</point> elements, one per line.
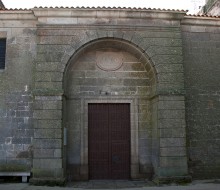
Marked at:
<point>117,8</point>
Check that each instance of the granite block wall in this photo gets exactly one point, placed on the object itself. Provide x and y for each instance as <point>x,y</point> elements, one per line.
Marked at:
<point>201,45</point>
<point>170,76</point>
<point>16,84</point>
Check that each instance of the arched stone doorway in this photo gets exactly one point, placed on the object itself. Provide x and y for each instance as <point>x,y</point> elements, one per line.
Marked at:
<point>106,72</point>
<point>158,140</point>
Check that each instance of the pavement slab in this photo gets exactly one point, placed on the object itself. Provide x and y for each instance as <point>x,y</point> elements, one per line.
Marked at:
<point>112,185</point>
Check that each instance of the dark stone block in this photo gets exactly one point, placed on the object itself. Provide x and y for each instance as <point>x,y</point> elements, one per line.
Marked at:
<point>21,140</point>
<point>24,114</point>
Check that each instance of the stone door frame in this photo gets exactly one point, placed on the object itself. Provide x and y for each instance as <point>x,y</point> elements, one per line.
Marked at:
<point>134,132</point>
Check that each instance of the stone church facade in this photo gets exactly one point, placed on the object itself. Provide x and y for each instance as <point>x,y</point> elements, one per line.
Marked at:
<point>85,90</point>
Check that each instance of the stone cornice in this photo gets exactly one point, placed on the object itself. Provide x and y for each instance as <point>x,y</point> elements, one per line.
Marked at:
<point>203,21</point>
<point>109,13</point>
<point>17,15</point>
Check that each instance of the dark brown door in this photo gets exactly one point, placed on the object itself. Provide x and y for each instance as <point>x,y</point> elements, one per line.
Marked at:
<point>109,141</point>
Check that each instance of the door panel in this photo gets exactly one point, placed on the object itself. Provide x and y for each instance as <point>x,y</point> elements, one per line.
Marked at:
<point>109,141</point>
<point>98,142</point>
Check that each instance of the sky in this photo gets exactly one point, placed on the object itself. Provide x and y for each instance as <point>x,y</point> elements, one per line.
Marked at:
<point>167,4</point>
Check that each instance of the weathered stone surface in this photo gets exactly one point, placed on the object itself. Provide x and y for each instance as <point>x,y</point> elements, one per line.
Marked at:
<point>48,173</point>
<point>173,171</point>
<point>50,66</point>
<point>47,143</point>
<point>47,153</point>
<point>48,133</point>
<point>172,142</point>
<point>48,114</point>
<point>48,105</point>
<point>171,123</point>
<point>48,98</point>
<point>47,163</point>
<point>173,151</point>
<point>52,73</point>
<point>201,93</point>
<point>171,114</point>
<point>169,132</point>
<point>171,105</point>
<point>173,162</point>
<point>48,85</point>
<point>48,123</point>
<point>48,76</point>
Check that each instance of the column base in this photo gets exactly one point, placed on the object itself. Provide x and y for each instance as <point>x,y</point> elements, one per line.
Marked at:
<point>48,181</point>
<point>174,179</point>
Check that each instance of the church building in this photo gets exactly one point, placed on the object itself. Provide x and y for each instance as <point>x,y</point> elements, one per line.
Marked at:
<point>109,93</point>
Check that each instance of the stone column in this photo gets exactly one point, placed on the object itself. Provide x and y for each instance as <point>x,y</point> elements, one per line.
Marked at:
<point>47,157</point>
<point>169,139</point>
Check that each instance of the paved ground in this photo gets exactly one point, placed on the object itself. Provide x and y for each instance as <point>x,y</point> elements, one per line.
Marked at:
<point>122,185</point>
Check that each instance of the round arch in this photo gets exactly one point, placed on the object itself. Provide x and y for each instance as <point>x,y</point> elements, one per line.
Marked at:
<point>116,43</point>
<point>108,71</point>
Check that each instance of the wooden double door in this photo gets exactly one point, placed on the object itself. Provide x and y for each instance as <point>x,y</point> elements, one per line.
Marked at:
<point>109,141</point>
